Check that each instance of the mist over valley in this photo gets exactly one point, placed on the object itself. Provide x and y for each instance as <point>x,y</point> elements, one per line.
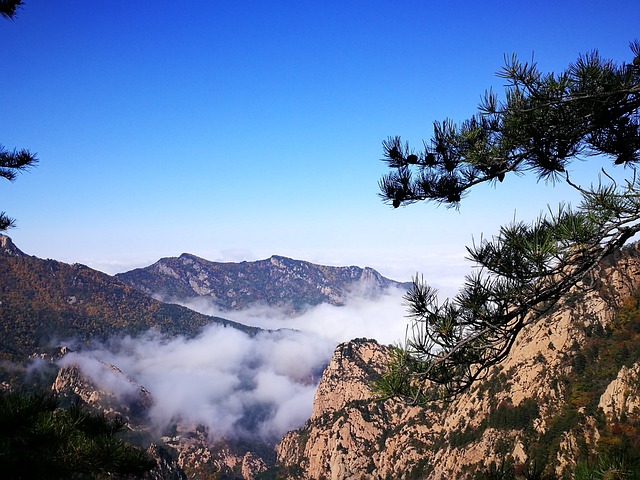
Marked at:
<point>244,370</point>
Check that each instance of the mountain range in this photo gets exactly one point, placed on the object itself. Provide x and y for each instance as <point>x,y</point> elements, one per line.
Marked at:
<point>564,404</point>
<point>45,301</point>
<point>277,281</point>
<point>50,309</point>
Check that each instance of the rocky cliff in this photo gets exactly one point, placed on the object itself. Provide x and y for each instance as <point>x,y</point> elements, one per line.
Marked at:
<point>567,396</point>
<point>276,281</point>
<point>7,247</point>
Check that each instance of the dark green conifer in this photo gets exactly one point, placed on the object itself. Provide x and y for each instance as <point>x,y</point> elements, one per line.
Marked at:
<point>39,439</point>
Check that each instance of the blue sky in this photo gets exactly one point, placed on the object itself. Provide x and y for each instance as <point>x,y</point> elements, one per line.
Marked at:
<point>237,130</point>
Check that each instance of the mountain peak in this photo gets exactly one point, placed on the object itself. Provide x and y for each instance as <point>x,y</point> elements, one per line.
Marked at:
<point>276,281</point>
<point>8,247</point>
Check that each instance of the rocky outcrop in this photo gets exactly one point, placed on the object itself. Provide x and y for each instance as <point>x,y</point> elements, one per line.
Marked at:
<point>622,396</point>
<point>125,399</point>
<point>348,435</point>
<point>166,466</point>
<point>201,457</point>
<point>568,390</point>
<point>8,247</point>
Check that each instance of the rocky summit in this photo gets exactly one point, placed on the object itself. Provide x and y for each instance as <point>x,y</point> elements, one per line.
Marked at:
<point>277,281</point>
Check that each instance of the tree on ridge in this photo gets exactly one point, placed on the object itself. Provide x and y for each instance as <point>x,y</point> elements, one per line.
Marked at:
<point>544,123</point>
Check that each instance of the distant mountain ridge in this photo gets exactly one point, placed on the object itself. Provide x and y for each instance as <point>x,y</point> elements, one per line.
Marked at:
<point>46,300</point>
<point>276,281</point>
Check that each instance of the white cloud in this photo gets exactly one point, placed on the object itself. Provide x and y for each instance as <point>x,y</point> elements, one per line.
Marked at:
<point>239,385</point>
<point>381,318</point>
<point>232,383</point>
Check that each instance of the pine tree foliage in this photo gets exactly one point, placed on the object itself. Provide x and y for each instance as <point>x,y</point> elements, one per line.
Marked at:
<point>9,8</point>
<point>545,122</point>
<point>38,439</point>
<point>12,161</point>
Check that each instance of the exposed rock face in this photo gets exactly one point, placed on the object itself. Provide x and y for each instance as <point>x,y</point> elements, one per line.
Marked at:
<point>351,362</point>
<point>166,466</point>
<point>276,281</point>
<point>8,247</point>
<point>570,384</point>
<point>199,457</point>
<point>349,435</point>
<point>251,465</point>
<point>131,401</point>
<point>622,396</point>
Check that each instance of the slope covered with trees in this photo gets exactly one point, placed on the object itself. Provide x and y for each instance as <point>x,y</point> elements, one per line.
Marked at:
<point>45,301</point>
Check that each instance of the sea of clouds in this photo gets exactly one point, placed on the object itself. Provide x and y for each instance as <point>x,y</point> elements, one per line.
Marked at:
<point>237,385</point>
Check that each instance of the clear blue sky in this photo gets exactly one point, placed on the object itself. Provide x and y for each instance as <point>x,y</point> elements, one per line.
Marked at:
<point>237,130</point>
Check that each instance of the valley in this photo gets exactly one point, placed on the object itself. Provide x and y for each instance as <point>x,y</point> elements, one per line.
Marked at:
<point>213,398</point>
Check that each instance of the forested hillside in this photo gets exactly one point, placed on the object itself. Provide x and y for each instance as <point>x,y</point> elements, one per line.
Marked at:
<point>45,301</point>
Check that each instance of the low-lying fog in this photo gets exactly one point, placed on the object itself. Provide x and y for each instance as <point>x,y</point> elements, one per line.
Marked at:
<point>242,386</point>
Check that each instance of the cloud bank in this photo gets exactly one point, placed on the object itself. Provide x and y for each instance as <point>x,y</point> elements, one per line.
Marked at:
<point>382,318</point>
<point>237,385</point>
